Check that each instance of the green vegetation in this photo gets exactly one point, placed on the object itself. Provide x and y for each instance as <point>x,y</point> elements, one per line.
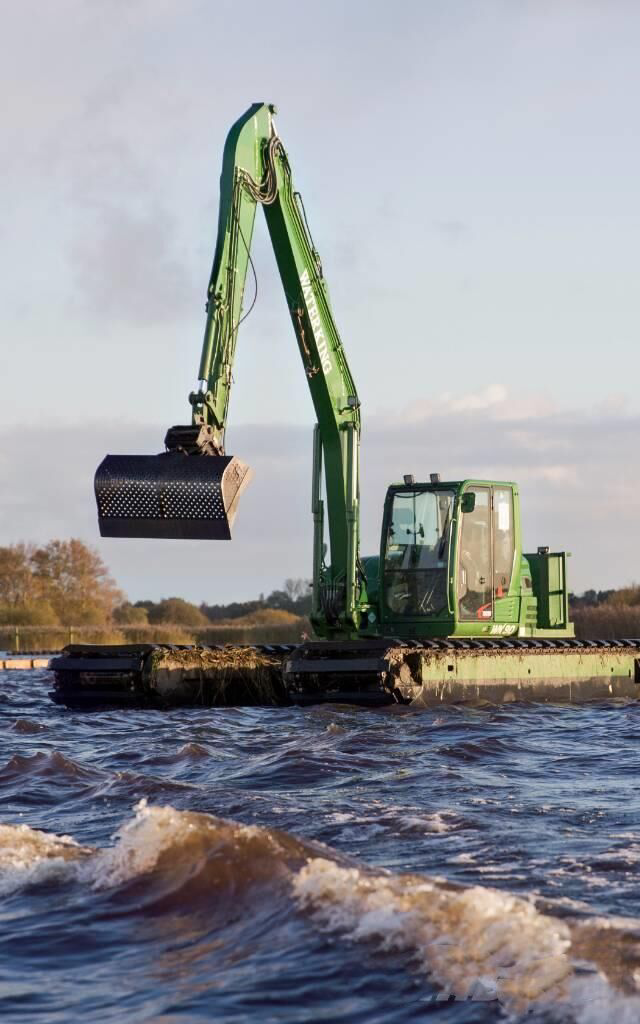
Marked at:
<point>281,616</point>
<point>295,597</point>
<point>130,615</point>
<point>175,610</point>
<point>62,592</point>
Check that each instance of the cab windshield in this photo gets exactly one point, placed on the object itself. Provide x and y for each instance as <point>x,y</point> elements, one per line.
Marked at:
<point>416,554</point>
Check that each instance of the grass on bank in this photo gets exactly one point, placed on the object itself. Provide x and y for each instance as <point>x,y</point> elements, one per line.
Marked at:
<point>267,626</point>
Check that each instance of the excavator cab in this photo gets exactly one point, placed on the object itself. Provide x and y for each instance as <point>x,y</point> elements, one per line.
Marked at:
<point>449,557</point>
<point>188,492</point>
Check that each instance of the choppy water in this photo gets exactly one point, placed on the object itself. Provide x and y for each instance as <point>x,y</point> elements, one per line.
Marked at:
<point>326,864</point>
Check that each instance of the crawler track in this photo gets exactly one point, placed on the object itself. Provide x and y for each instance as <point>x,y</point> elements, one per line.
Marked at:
<point>366,672</point>
<point>459,669</point>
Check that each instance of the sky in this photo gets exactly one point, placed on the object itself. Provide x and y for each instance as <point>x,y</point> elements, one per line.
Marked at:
<point>469,170</point>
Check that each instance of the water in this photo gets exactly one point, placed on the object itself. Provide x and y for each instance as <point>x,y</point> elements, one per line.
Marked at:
<point>326,864</point>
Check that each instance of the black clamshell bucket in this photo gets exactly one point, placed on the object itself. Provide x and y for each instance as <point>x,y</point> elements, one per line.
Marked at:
<point>169,496</point>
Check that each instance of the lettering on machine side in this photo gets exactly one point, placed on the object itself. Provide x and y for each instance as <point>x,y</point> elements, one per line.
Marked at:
<point>316,324</point>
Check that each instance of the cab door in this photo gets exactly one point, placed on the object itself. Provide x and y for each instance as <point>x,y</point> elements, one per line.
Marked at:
<point>475,561</point>
<point>503,541</point>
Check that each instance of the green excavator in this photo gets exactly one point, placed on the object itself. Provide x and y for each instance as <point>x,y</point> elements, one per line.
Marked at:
<point>450,600</point>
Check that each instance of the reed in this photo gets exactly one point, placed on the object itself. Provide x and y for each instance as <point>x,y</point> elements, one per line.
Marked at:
<point>279,629</point>
<point>601,622</point>
<point>18,639</point>
<point>607,622</point>
<point>230,676</point>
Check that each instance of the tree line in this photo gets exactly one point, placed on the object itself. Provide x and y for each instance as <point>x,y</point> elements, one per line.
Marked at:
<point>66,583</point>
<point>295,598</point>
<point>63,582</point>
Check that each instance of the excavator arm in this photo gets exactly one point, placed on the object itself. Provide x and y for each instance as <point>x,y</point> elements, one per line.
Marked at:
<point>255,171</point>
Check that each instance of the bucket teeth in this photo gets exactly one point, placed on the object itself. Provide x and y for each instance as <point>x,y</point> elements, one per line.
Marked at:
<point>169,496</point>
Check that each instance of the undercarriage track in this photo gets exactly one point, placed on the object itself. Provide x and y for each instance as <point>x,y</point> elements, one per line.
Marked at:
<point>378,671</point>
<point>366,672</point>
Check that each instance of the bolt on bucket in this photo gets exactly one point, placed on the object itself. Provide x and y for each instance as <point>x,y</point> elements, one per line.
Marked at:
<point>169,496</point>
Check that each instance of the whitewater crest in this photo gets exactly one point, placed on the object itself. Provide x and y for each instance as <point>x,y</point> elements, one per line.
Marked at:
<point>174,842</point>
<point>480,943</point>
<point>475,943</point>
<point>161,844</point>
<point>29,856</point>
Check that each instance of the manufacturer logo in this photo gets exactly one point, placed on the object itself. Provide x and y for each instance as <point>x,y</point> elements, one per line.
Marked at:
<point>316,325</point>
<point>503,629</point>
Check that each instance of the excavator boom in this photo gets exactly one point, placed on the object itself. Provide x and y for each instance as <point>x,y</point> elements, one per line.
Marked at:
<point>191,490</point>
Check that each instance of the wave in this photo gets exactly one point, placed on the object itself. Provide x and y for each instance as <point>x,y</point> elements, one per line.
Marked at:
<point>49,766</point>
<point>28,727</point>
<point>401,821</point>
<point>475,942</point>
<point>181,859</point>
<point>188,752</point>
<point>29,856</point>
<point>481,943</point>
<point>185,856</point>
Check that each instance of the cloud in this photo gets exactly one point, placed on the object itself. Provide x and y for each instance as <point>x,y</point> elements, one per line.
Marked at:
<point>576,474</point>
<point>453,230</point>
<point>128,268</point>
<point>494,400</point>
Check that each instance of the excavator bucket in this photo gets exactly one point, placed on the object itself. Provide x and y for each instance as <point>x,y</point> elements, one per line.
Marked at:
<point>169,496</point>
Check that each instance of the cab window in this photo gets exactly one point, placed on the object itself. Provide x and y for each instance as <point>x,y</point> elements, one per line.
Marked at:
<point>416,553</point>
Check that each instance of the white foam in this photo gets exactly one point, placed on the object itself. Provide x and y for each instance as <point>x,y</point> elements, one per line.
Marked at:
<point>467,939</point>
<point>29,856</point>
<point>436,822</point>
<point>627,854</point>
<point>400,819</point>
<point>341,817</point>
<point>593,1001</point>
<point>476,943</point>
<point>139,844</point>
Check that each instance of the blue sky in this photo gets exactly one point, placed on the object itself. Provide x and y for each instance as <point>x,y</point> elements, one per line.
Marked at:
<point>470,174</point>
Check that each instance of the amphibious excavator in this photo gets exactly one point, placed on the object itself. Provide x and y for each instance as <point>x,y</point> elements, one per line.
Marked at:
<point>449,608</point>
